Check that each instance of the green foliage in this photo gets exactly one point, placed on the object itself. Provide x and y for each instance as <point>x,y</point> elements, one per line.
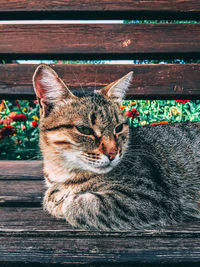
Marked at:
<point>22,140</point>
<point>161,111</point>
<point>161,21</point>
<point>78,61</point>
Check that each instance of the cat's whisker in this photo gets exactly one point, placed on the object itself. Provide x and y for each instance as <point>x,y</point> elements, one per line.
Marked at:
<point>90,158</point>
<point>91,161</point>
<point>91,155</point>
<point>76,77</point>
<point>95,80</point>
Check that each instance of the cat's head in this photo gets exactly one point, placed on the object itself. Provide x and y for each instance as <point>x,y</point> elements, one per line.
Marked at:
<point>86,133</point>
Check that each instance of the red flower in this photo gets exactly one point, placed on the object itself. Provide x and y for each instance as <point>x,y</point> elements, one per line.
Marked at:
<point>19,117</point>
<point>7,131</point>
<point>133,113</point>
<point>34,124</point>
<point>182,101</point>
<point>35,101</point>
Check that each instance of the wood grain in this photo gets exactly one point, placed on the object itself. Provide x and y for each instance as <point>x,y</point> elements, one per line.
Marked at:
<point>29,219</point>
<point>107,9</point>
<point>19,193</point>
<point>149,81</point>
<point>21,183</point>
<point>97,41</point>
<point>21,170</point>
<point>30,236</point>
<point>59,246</point>
<point>23,219</point>
<point>93,5</point>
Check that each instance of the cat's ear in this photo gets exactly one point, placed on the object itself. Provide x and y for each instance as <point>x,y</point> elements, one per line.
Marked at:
<point>49,88</point>
<point>117,89</point>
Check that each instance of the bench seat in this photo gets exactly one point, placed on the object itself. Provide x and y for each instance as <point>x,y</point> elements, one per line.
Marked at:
<point>28,234</point>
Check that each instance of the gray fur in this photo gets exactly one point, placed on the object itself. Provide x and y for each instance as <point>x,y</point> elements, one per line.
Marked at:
<point>156,183</point>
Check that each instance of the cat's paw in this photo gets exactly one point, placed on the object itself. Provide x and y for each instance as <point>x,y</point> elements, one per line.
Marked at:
<point>53,201</point>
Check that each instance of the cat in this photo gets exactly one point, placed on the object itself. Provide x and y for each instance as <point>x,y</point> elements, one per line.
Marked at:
<point>100,174</point>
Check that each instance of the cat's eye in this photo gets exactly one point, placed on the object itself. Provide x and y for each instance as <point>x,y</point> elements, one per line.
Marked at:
<point>84,130</point>
<point>119,128</point>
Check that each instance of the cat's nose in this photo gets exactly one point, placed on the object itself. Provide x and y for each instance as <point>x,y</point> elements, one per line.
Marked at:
<point>111,156</point>
<point>108,147</point>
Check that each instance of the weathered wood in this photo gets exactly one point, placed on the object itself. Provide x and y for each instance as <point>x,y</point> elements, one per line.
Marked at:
<point>98,41</point>
<point>20,170</point>
<point>21,183</point>
<point>87,9</point>
<point>23,219</point>
<point>31,235</point>
<point>158,81</point>
<point>72,246</point>
<point>94,5</point>
<point>19,193</point>
<point>29,219</point>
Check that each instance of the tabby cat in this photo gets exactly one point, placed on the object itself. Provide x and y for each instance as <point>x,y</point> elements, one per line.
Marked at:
<point>100,174</point>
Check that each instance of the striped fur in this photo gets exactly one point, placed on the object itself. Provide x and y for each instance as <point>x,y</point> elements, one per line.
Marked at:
<point>104,176</point>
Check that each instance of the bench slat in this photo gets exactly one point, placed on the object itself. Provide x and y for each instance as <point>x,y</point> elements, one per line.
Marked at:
<point>29,219</point>
<point>106,5</point>
<point>158,81</point>
<point>21,193</point>
<point>21,170</point>
<point>100,41</point>
<point>24,219</point>
<point>81,9</point>
<point>21,183</point>
<point>92,247</point>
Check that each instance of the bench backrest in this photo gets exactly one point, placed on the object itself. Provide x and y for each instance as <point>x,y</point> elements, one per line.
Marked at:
<point>159,41</point>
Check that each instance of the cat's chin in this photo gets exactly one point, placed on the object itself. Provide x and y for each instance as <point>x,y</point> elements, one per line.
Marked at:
<point>100,170</point>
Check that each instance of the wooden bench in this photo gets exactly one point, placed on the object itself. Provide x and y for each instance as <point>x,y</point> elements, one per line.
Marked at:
<point>29,236</point>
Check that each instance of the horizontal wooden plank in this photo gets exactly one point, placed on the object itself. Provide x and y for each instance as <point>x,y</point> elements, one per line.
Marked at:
<point>31,220</point>
<point>20,170</point>
<point>78,9</point>
<point>99,250</point>
<point>155,81</point>
<point>94,5</point>
<point>21,183</point>
<point>21,193</point>
<point>97,41</point>
<point>30,235</point>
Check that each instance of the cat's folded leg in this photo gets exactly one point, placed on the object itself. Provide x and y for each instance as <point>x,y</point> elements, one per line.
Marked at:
<point>53,201</point>
<point>88,210</point>
<point>81,209</point>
